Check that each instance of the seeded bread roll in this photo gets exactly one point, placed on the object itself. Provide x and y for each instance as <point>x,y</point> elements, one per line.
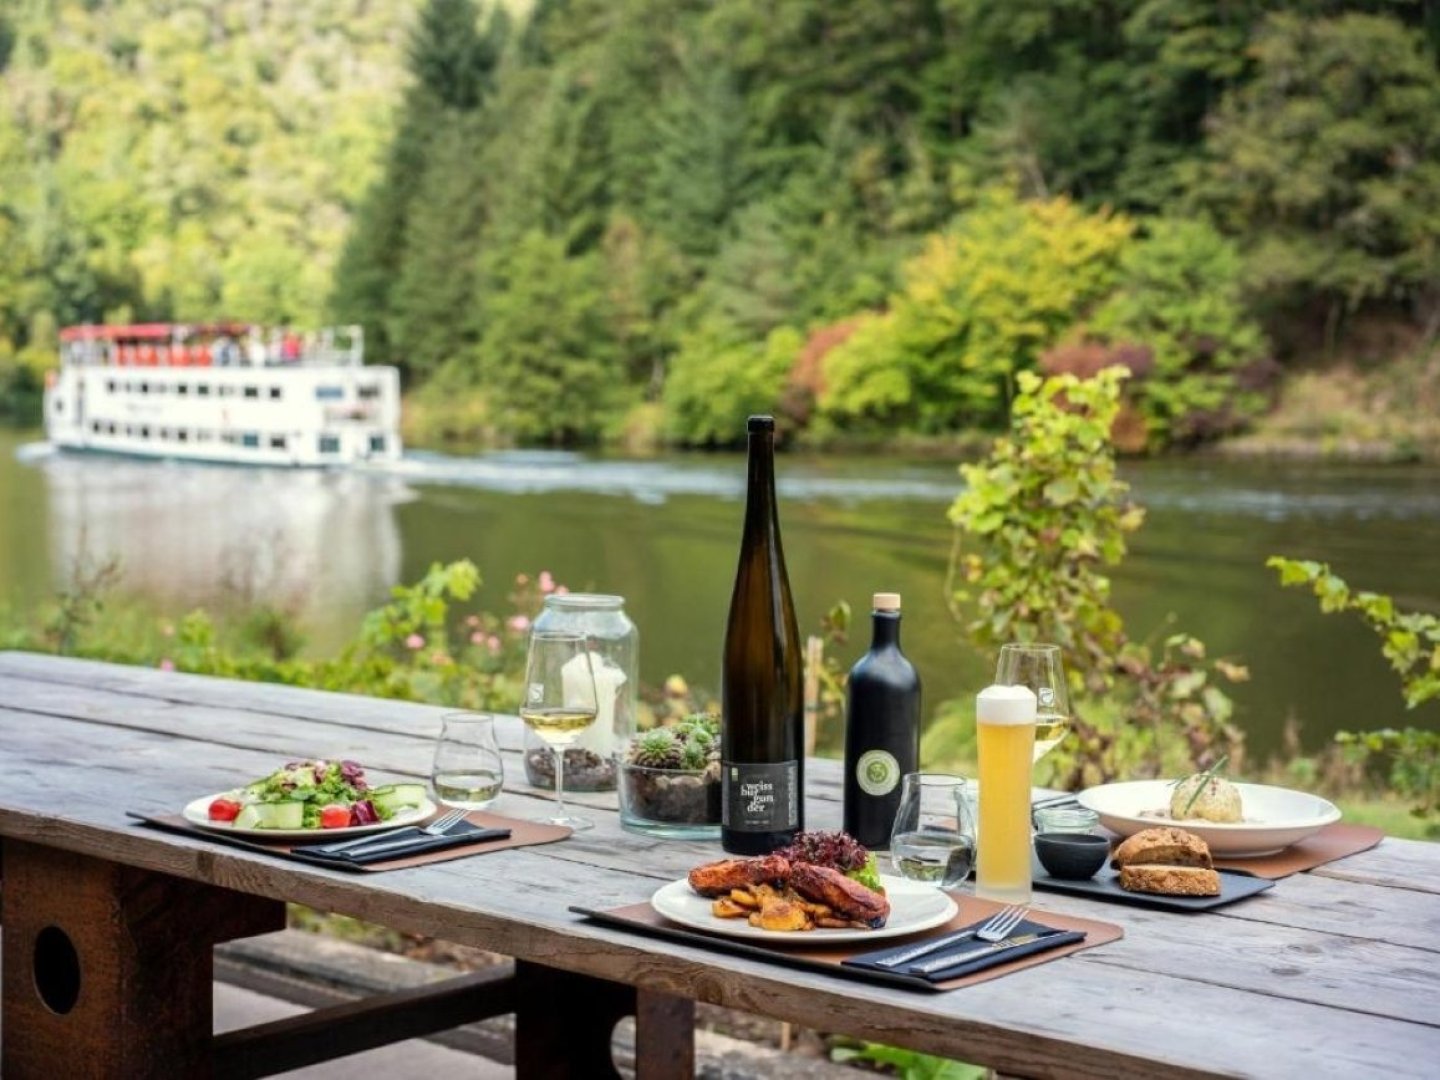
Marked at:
<point>1164,845</point>
<point>1170,880</point>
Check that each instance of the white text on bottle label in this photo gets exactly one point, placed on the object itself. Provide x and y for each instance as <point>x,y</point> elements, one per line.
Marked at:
<point>760,798</point>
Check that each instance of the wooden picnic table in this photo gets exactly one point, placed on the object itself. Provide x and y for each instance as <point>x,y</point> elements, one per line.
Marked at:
<point>1335,972</point>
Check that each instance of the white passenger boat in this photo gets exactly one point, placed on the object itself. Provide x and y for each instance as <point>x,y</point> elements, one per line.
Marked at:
<point>224,392</point>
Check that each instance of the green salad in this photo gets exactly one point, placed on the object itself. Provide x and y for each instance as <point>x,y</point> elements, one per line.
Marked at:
<point>314,795</point>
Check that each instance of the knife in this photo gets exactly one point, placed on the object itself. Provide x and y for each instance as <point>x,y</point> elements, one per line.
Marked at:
<point>364,841</point>
<point>925,948</point>
<point>476,836</point>
<point>939,963</point>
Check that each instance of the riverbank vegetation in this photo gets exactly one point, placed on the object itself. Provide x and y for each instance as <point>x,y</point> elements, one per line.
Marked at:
<point>637,220</point>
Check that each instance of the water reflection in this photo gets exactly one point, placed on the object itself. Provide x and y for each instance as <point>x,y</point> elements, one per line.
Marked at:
<point>323,543</point>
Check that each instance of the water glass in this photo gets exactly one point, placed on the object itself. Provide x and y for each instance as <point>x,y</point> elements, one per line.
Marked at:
<point>468,771</point>
<point>933,839</point>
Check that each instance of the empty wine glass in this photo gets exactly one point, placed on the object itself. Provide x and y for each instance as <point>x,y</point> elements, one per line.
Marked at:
<point>934,835</point>
<point>468,770</point>
<point>559,703</point>
<point>1039,667</point>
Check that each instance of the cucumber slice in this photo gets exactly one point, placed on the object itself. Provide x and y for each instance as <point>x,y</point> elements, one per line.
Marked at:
<point>395,797</point>
<point>248,818</point>
<point>272,815</point>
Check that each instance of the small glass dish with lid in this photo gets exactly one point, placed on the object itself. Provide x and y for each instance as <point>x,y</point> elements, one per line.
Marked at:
<point>1066,819</point>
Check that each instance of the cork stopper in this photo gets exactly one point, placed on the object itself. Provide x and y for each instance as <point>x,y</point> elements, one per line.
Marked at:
<point>886,601</point>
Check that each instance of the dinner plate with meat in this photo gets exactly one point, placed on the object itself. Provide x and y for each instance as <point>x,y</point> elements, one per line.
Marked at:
<point>778,898</point>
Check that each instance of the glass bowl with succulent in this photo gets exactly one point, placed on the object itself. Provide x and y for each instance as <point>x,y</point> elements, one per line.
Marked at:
<point>670,779</point>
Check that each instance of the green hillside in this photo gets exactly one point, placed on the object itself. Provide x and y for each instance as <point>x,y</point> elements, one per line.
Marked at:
<point>593,219</point>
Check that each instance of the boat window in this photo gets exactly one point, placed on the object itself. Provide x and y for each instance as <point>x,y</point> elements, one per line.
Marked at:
<point>183,435</point>
<point>182,389</point>
<point>377,444</point>
<point>59,405</point>
<point>226,391</point>
<point>95,426</point>
<point>203,390</point>
<point>329,444</point>
<point>277,442</point>
<point>144,387</point>
<point>274,393</point>
<point>145,431</point>
<point>109,429</point>
<point>329,393</point>
<point>159,388</point>
<point>110,385</point>
<point>250,439</point>
<point>369,390</point>
<point>252,391</point>
<point>202,435</point>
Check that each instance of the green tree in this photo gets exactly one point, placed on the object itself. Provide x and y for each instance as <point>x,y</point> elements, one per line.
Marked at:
<point>546,355</point>
<point>1327,162</point>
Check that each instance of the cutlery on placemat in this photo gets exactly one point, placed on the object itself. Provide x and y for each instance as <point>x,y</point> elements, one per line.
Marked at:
<point>421,843</point>
<point>993,929</point>
<point>438,827</point>
<point>939,963</point>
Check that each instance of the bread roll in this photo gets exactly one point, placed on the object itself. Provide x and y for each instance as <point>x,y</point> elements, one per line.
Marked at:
<point>1165,845</point>
<point>1170,880</point>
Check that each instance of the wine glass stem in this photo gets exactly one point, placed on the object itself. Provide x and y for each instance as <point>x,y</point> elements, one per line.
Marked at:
<point>560,781</point>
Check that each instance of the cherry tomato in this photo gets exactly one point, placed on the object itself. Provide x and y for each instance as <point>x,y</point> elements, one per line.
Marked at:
<point>334,816</point>
<point>224,810</point>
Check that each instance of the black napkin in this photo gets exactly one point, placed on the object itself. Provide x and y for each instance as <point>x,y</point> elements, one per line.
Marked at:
<point>1051,939</point>
<point>419,844</point>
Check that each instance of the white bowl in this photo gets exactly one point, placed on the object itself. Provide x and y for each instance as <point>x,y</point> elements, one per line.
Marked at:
<point>1274,818</point>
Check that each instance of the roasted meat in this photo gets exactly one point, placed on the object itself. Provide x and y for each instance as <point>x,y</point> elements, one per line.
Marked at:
<point>718,878</point>
<point>846,897</point>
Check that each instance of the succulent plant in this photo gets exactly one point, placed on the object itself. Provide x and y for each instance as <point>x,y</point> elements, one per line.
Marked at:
<point>658,749</point>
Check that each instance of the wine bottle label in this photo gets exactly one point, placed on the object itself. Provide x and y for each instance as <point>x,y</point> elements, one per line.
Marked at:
<point>877,772</point>
<point>760,798</point>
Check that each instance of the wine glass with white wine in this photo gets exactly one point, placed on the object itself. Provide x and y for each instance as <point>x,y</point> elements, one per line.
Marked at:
<point>1039,667</point>
<point>559,703</point>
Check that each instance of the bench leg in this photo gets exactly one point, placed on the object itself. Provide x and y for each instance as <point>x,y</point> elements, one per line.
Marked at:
<point>564,1024</point>
<point>107,969</point>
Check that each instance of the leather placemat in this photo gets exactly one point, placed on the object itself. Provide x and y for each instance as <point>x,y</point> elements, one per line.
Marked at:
<point>1330,843</point>
<point>646,920</point>
<point>522,834</point>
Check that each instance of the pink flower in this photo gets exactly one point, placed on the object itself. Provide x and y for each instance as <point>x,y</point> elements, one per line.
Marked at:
<point>561,590</point>
<point>414,641</point>
<point>493,644</point>
<point>439,659</point>
<point>472,621</point>
<point>547,583</point>
<point>477,638</point>
<point>519,623</point>
<point>167,664</point>
<point>522,579</point>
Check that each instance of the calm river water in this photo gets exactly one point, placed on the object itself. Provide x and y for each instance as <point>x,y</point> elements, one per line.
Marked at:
<point>664,534</point>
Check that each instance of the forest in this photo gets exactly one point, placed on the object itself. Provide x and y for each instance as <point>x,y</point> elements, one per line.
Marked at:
<point>575,221</point>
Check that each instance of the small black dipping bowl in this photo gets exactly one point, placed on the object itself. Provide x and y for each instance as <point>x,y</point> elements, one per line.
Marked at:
<point>1072,856</point>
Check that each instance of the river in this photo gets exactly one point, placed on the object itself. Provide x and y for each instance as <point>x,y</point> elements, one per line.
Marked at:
<point>664,534</point>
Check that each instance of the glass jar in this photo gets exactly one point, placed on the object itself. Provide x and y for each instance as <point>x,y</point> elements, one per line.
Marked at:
<point>615,658</point>
<point>1066,819</point>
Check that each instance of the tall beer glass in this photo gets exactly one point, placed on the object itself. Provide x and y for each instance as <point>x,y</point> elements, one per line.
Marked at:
<point>1005,722</point>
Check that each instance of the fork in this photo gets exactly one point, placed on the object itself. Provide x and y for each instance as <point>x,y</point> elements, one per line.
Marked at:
<point>435,828</point>
<point>993,929</point>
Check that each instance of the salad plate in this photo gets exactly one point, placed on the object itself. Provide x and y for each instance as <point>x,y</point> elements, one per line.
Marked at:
<point>197,813</point>
<point>309,799</point>
<point>1273,818</point>
<point>914,906</point>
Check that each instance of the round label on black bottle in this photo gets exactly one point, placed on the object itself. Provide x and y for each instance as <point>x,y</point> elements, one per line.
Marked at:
<point>877,772</point>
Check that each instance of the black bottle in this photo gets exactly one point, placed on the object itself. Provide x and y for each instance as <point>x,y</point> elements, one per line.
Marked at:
<point>882,729</point>
<point>762,721</point>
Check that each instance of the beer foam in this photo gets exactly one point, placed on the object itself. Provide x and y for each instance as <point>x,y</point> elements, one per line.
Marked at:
<point>1005,705</point>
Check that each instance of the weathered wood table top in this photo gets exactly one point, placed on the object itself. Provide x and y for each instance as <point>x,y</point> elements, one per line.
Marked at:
<point>1335,972</point>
